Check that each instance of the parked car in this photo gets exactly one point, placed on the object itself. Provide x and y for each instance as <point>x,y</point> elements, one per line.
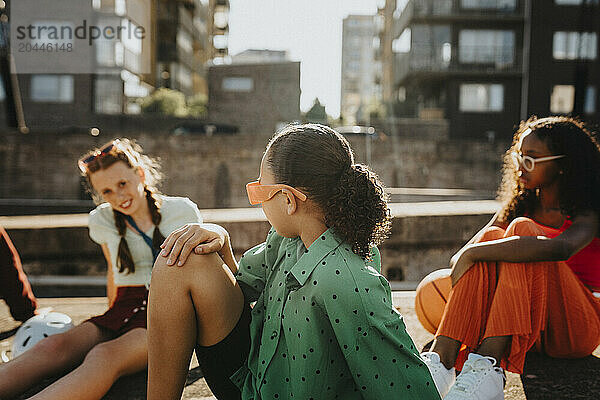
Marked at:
<point>204,128</point>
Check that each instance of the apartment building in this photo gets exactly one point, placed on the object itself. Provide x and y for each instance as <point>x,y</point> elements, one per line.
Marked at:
<point>177,44</point>
<point>359,67</point>
<point>486,64</point>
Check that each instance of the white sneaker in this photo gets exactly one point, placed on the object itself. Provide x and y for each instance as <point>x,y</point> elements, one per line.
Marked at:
<point>480,379</point>
<point>442,377</point>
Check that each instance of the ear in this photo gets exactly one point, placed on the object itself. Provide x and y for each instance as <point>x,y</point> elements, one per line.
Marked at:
<point>290,202</point>
<point>140,171</point>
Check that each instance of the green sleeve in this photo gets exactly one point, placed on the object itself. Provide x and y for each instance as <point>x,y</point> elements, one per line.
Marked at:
<point>255,265</point>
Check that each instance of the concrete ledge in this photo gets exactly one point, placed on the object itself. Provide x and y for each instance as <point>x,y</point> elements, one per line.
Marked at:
<point>232,215</point>
<point>424,237</point>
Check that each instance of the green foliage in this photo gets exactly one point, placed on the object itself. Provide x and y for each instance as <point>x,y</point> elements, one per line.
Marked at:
<point>196,105</point>
<point>317,113</point>
<point>375,109</point>
<point>165,101</point>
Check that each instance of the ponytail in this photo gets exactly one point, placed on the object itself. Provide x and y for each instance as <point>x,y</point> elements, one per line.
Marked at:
<point>357,209</point>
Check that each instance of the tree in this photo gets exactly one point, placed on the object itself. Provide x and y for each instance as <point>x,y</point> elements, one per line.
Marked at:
<point>317,113</point>
<point>196,105</point>
<point>165,101</point>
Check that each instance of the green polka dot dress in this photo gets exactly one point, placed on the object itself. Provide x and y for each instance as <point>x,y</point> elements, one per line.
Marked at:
<point>323,326</point>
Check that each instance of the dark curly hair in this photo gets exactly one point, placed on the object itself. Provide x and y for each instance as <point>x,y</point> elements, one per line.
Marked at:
<point>130,153</point>
<point>319,161</point>
<point>579,184</point>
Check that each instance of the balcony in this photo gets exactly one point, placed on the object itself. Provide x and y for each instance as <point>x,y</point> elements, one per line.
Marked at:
<point>457,10</point>
<point>441,61</point>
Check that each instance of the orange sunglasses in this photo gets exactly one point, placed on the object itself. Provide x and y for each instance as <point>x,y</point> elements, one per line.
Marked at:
<point>258,193</point>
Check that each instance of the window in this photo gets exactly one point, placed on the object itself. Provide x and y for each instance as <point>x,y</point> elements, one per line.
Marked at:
<point>402,43</point>
<point>562,99</point>
<point>477,97</point>
<point>486,46</point>
<point>52,88</point>
<point>184,77</point>
<point>574,2</point>
<point>237,84</point>
<point>353,66</point>
<point>220,41</point>
<point>108,95</point>
<point>120,7</point>
<point>130,37</point>
<point>184,41</point>
<point>2,91</point>
<point>574,45</point>
<point>489,4</point>
<point>589,107</point>
<point>400,6</point>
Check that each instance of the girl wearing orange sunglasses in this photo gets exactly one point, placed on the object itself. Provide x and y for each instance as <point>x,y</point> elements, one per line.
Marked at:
<point>323,325</point>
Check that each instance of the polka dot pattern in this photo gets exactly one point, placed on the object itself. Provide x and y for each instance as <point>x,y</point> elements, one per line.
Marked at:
<point>323,326</point>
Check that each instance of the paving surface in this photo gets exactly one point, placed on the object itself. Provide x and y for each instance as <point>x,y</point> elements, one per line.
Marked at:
<point>544,378</point>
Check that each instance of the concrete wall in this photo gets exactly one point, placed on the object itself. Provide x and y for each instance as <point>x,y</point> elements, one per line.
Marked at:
<point>418,245</point>
<point>213,171</point>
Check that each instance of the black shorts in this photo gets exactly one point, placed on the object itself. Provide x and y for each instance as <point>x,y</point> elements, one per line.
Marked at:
<point>219,361</point>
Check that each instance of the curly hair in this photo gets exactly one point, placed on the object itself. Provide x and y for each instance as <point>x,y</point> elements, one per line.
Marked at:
<point>319,161</point>
<point>579,184</point>
<point>130,153</point>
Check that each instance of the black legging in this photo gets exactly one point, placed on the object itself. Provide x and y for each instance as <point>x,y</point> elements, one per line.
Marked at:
<point>219,361</point>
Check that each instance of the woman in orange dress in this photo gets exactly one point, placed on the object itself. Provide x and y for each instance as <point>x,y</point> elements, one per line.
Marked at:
<point>531,277</point>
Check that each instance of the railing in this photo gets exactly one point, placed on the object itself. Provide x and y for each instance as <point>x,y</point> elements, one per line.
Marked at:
<point>432,7</point>
<point>470,58</point>
<point>446,8</point>
<point>499,56</point>
<point>426,61</point>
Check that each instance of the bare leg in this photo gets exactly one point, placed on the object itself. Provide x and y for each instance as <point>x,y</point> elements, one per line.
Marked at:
<point>50,356</point>
<point>447,348</point>
<point>199,303</point>
<point>495,346</point>
<point>102,366</point>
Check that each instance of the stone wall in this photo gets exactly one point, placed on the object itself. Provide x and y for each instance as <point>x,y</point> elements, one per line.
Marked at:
<point>418,245</point>
<point>213,170</point>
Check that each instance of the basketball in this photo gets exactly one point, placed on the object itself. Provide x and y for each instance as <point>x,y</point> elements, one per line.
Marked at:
<point>432,296</point>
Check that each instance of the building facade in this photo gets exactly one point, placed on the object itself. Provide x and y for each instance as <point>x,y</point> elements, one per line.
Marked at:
<point>486,64</point>
<point>359,88</point>
<point>256,97</point>
<point>179,45</point>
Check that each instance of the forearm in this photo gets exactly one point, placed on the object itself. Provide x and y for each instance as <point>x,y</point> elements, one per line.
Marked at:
<point>518,249</point>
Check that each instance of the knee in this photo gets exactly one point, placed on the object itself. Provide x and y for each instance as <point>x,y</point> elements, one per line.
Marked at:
<point>172,277</point>
<point>492,233</point>
<point>523,226</point>
<point>105,355</point>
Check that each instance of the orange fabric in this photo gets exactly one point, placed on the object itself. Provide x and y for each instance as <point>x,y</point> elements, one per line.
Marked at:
<point>540,304</point>
<point>586,263</point>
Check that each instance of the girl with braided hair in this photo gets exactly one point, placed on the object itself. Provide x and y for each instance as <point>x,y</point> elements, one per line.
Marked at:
<point>129,225</point>
<point>323,325</point>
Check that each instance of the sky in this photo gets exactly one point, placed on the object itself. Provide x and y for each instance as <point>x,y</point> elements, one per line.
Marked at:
<point>311,32</point>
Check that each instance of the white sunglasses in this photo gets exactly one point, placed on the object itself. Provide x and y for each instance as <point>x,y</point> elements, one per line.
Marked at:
<point>528,163</point>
